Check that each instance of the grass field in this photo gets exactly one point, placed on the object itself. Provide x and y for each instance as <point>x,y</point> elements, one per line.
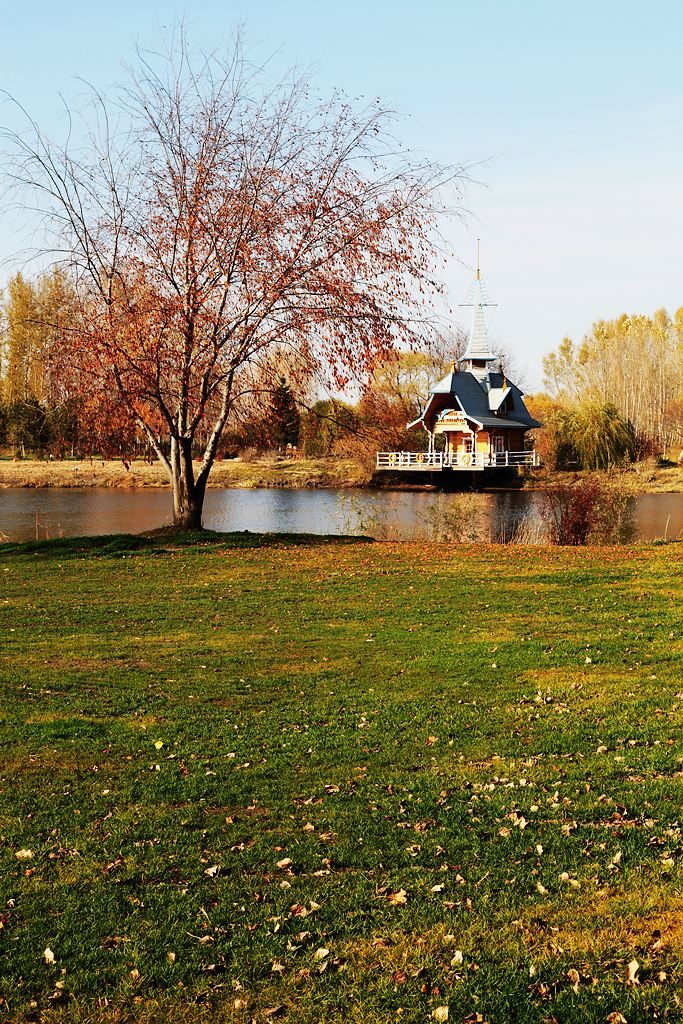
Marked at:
<point>251,781</point>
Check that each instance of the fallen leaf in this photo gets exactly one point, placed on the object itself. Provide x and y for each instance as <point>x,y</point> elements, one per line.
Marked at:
<point>284,863</point>
<point>213,870</point>
<point>398,898</point>
<point>321,954</point>
<point>49,956</point>
<point>631,972</point>
<point>440,1013</point>
<point>24,854</point>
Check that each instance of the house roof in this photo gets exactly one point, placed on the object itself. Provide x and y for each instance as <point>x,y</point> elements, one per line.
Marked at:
<point>473,395</point>
<point>497,396</point>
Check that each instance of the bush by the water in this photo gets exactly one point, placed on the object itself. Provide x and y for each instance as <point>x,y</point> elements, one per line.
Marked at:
<point>589,511</point>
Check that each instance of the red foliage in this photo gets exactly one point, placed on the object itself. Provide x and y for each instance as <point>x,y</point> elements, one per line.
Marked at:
<point>233,238</point>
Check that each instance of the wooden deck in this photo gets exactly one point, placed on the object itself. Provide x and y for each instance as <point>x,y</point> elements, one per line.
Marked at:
<point>438,461</point>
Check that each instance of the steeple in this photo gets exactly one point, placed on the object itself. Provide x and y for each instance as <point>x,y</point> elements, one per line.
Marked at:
<point>477,353</point>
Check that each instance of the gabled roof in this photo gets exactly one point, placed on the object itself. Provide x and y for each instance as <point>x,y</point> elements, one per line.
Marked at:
<point>497,396</point>
<point>445,385</point>
<point>471,394</point>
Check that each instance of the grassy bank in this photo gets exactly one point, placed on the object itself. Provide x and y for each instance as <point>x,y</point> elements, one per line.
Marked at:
<point>246,780</point>
<point>646,477</point>
<point>231,473</point>
<point>641,478</point>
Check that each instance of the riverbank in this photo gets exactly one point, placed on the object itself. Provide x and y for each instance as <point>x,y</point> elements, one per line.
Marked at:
<point>640,478</point>
<point>250,779</point>
<point>647,477</point>
<point>292,473</point>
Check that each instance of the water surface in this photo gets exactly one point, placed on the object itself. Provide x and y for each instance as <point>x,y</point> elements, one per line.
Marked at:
<point>27,513</point>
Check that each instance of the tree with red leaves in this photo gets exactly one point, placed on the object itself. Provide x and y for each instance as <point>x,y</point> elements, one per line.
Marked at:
<point>220,229</point>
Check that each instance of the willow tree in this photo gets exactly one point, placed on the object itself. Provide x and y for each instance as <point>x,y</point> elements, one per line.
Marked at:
<point>218,226</point>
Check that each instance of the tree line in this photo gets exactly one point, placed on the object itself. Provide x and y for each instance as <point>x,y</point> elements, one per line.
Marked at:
<point>617,395</point>
<point>47,407</point>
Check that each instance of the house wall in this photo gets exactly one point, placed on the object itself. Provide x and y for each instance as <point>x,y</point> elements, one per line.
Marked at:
<point>517,440</point>
<point>513,440</point>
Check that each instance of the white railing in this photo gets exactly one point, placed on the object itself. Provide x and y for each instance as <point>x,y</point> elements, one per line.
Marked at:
<point>457,460</point>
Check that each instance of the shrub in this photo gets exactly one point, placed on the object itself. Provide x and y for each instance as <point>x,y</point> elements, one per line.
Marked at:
<point>588,511</point>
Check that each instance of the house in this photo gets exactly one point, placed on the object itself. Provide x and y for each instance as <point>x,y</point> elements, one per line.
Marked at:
<point>475,418</point>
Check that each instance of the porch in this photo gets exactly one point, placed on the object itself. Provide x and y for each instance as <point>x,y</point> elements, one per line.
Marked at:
<point>458,460</point>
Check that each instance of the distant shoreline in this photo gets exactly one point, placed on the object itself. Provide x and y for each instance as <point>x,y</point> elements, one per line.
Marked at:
<point>640,478</point>
<point>138,474</point>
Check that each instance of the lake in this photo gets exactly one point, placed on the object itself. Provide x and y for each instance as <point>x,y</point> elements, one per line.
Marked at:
<point>27,513</point>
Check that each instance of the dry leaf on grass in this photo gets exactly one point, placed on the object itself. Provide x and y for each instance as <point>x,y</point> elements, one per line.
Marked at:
<point>632,972</point>
<point>398,898</point>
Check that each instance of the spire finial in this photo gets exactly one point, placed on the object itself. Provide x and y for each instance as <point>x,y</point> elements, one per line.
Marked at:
<point>478,274</point>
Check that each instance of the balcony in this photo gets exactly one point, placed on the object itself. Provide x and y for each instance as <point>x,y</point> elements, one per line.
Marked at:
<point>437,461</point>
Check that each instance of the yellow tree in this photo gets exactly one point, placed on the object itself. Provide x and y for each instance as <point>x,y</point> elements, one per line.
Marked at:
<point>23,356</point>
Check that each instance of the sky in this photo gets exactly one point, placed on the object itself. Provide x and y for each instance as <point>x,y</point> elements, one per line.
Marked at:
<point>567,116</point>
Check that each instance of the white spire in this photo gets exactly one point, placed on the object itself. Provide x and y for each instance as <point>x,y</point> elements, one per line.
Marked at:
<point>478,344</point>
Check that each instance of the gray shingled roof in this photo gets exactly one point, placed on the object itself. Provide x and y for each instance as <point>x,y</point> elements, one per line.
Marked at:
<point>472,396</point>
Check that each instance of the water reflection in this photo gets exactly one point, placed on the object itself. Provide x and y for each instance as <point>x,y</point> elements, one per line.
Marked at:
<point>398,515</point>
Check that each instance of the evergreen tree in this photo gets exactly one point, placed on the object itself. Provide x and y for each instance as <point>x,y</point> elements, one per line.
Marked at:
<point>284,418</point>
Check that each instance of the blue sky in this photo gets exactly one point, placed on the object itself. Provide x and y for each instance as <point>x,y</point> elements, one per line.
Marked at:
<point>570,116</point>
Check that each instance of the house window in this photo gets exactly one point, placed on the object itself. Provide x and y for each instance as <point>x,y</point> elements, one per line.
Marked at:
<point>468,443</point>
<point>499,445</point>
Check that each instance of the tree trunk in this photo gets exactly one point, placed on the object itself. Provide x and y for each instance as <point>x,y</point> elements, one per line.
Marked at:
<point>188,493</point>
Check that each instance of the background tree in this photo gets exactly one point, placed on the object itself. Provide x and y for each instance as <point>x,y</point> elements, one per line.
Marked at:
<point>231,223</point>
<point>326,426</point>
<point>284,420</point>
<point>40,400</point>
<point>633,363</point>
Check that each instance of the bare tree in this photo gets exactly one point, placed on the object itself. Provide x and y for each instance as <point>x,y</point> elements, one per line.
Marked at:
<point>216,225</point>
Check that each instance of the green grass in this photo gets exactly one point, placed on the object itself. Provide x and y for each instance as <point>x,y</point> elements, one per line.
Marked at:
<point>493,734</point>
